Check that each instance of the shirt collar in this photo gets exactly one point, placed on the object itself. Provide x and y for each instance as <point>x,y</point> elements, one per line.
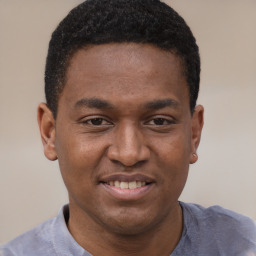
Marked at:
<point>63,242</point>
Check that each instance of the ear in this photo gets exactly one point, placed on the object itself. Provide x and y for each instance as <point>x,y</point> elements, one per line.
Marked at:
<point>46,124</point>
<point>197,126</point>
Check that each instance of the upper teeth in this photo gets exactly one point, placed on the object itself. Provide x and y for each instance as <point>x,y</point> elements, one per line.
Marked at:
<point>128,185</point>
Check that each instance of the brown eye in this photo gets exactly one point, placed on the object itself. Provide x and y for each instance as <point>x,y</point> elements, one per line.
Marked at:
<point>160,121</point>
<point>96,121</point>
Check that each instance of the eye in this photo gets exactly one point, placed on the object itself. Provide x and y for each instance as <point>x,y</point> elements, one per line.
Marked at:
<point>160,121</point>
<point>98,121</point>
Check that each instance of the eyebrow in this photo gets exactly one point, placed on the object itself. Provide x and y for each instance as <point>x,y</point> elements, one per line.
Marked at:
<point>103,104</point>
<point>163,103</point>
<point>94,103</point>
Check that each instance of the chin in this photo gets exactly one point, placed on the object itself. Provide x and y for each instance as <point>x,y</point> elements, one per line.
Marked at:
<point>128,223</point>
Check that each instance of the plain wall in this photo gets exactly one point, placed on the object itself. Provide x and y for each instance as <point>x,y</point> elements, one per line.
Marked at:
<point>31,189</point>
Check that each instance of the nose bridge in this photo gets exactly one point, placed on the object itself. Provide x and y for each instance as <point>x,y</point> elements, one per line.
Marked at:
<point>129,145</point>
<point>129,141</point>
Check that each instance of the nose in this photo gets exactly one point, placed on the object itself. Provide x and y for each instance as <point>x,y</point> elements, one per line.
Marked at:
<point>128,146</point>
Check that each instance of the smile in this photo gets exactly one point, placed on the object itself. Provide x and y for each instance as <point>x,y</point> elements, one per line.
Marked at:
<point>127,185</point>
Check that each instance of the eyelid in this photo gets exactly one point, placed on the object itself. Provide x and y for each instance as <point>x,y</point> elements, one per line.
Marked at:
<point>104,122</point>
<point>169,119</point>
<point>87,119</point>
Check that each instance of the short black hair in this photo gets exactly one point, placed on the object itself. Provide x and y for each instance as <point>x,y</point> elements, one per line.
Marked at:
<point>96,22</point>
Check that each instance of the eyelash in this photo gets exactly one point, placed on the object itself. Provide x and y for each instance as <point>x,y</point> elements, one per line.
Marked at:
<point>162,120</point>
<point>100,121</point>
<point>96,119</point>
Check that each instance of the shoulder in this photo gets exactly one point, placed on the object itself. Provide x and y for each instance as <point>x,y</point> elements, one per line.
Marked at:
<point>219,215</point>
<point>36,241</point>
<point>226,228</point>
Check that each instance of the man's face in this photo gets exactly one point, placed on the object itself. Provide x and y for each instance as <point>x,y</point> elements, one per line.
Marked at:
<point>125,135</point>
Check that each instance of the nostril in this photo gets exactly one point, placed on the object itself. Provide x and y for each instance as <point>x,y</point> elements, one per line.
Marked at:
<point>129,167</point>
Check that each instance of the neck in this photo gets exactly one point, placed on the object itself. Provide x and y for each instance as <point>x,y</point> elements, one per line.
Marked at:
<point>159,240</point>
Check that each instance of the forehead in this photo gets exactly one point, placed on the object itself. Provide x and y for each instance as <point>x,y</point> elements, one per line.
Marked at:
<point>125,70</point>
<point>122,58</point>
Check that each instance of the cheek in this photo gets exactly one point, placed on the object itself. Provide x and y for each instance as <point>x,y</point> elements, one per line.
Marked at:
<point>173,161</point>
<point>78,149</point>
<point>78,158</point>
<point>174,150</point>
<point>76,163</point>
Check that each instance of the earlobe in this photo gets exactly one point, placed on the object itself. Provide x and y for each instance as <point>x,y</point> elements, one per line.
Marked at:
<point>197,126</point>
<point>46,125</point>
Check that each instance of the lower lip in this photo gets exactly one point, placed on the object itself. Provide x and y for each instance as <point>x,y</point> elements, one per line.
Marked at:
<point>128,194</point>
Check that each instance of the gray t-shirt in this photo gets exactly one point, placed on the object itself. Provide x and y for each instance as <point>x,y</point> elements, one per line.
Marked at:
<point>212,231</point>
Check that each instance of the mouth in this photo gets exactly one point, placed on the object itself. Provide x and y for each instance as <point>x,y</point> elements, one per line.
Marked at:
<point>127,185</point>
<point>124,187</point>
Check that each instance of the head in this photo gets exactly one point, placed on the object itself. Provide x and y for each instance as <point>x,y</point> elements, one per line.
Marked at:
<point>97,22</point>
<point>122,80</point>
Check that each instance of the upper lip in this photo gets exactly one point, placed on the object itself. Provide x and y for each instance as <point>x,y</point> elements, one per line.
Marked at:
<point>126,178</point>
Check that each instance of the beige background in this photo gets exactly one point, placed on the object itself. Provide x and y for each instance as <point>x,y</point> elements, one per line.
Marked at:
<point>31,188</point>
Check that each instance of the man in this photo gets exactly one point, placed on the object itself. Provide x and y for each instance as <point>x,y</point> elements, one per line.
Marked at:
<point>121,83</point>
